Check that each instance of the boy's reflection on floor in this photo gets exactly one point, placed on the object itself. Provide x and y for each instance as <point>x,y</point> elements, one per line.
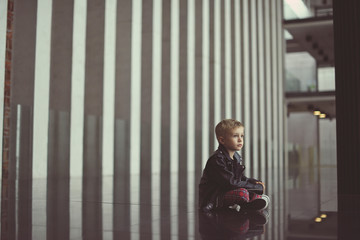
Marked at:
<point>230,224</point>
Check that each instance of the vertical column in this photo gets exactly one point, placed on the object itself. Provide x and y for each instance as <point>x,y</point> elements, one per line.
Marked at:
<point>268,92</point>
<point>234,92</point>
<point>222,59</point>
<point>77,88</point>
<point>212,141</point>
<point>261,97</point>
<point>254,131</point>
<point>269,103</point>
<point>275,89</point>
<point>21,121</point>
<point>199,108</point>
<point>135,101</point>
<point>174,110</point>
<point>281,103</point>
<point>146,111</point>
<point>205,81</point>
<point>166,65</point>
<point>121,222</point>
<point>228,65</point>
<point>6,24</point>
<point>77,113</point>
<point>238,63</point>
<point>93,119</point>
<point>109,87</point>
<point>347,101</point>
<point>58,213</point>
<point>191,104</point>
<point>347,37</point>
<point>3,31</point>
<point>246,89</point>
<point>41,112</point>
<point>108,127</point>
<point>184,95</point>
<point>275,82</point>
<point>41,88</point>
<point>24,136</point>
<point>156,114</point>
<point>217,64</point>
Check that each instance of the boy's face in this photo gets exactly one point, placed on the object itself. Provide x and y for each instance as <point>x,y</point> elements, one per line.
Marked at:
<point>233,139</point>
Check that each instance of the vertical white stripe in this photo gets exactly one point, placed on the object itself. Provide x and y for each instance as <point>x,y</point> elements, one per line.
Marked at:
<point>191,85</point>
<point>238,64</point>
<point>41,108</point>
<point>3,21</point>
<point>274,84</point>
<point>156,116</point>
<point>275,90</point>
<point>286,169</point>
<point>174,111</point>
<point>18,134</point>
<point>174,86</point>
<point>275,117</point>
<point>254,88</point>
<point>191,112</point>
<point>109,112</point>
<point>217,63</point>
<point>156,86</point>
<point>109,87</point>
<point>228,90</point>
<point>135,112</point>
<point>77,114</point>
<point>280,67</point>
<point>205,82</point>
<point>78,88</point>
<point>41,88</point>
<point>268,88</point>
<point>260,8</point>
<point>268,77</point>
<point>245,13</point>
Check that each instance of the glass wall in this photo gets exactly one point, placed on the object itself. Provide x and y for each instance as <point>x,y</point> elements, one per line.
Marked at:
<point>300,72</point>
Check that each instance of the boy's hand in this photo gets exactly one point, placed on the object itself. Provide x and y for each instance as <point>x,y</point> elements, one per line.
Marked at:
<point>263,184</point>
<point>235,207</point>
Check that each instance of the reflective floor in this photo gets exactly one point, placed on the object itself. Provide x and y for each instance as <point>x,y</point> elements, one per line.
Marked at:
<point>106,208</point>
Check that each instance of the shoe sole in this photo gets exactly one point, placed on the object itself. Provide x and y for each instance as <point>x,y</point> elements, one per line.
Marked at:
<point>256,204</point>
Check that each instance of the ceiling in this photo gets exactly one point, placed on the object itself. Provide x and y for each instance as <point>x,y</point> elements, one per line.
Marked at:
<point>309,102</point>
<point>313,35</point>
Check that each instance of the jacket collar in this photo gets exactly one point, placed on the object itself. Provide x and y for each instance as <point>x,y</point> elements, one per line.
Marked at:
<point>237,157</point>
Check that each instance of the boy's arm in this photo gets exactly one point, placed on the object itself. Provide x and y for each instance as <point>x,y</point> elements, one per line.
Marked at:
<point>255,181</point>
<point>226,178</point>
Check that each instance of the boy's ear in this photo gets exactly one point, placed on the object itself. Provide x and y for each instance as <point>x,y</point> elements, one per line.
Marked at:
<point>221,140</point>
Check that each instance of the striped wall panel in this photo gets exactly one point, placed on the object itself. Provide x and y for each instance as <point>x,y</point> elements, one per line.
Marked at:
<point>116,102</point>
<point>3,28</point>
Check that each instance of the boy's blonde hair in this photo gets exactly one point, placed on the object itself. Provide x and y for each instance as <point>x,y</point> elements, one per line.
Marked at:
<point>225,125</point>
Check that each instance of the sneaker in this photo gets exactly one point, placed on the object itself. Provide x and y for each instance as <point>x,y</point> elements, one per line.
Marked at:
<point>258,217</point>
<point>259,202</point>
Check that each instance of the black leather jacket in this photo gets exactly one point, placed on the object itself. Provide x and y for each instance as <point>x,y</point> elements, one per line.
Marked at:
<point>222,174</point>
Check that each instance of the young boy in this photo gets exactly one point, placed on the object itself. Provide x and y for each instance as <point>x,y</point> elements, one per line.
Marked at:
<point>223,183</point>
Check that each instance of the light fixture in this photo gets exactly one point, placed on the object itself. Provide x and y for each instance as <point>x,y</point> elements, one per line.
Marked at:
<point>323,115</point>
<point>317,113</point>
<point>318,219</point>
<point>323,215</point>
<point>299,8</point>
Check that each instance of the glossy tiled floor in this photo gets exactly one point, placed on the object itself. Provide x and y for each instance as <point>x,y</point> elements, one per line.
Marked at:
<point>92,209</point>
